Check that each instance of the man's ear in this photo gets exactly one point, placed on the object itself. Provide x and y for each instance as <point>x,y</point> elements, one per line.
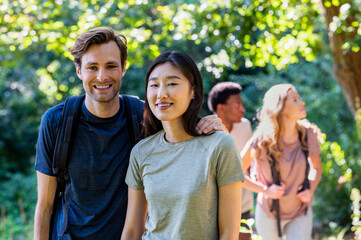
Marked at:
<point>124,69</point>
<point>78,71</point>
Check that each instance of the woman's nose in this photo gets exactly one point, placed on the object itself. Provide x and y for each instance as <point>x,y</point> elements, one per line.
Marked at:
<point>162,92</point>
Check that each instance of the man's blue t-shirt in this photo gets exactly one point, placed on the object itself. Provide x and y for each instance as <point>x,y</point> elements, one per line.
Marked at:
<point>97,167</point>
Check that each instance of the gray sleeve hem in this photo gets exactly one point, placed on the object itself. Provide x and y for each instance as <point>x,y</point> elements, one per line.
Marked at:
<point>134,186</point>
<point>231,180</point>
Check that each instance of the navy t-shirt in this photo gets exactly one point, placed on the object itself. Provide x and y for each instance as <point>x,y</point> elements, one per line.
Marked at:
<point>97,169</point>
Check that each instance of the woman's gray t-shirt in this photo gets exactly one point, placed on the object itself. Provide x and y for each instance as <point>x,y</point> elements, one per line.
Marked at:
<point>181,181</point>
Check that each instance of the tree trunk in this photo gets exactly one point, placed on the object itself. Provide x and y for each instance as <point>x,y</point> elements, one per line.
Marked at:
<point>347,66</point>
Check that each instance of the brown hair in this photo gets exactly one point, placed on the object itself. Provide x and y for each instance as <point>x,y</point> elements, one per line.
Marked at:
<point>97,36</point>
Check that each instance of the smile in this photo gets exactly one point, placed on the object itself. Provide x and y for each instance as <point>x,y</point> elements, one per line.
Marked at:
<point>102,86</point>
<point>163,106</point>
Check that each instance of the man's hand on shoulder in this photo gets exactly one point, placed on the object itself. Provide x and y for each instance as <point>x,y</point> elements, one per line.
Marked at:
<point>209,123</point>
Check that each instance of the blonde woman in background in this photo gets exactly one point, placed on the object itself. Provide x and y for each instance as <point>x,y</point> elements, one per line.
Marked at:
<point>285,145</point>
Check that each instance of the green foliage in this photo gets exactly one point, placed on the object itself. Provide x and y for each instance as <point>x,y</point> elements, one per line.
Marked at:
<point>252,33</point>
<point>332,206</point>
<point>356,215</point>
<point>18,198</point>
<point>243,229</point>
<point>347,22</point>
<point>358,119</point>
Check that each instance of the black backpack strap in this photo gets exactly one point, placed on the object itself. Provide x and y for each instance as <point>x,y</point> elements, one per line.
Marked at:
<point>276,178</point>
<point>62,149</point>
<point>306,181</point>
<point>134,108</point>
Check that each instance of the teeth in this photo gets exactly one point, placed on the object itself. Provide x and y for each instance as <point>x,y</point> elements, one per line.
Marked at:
<point>164,104</point>
<point>105,86</point>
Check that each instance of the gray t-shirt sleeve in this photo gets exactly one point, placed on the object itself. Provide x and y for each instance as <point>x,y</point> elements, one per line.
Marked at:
<point>134,176</point>
<point>229,164</point>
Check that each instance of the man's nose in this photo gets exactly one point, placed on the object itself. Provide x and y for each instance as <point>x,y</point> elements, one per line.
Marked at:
<point>101,76</point>
<point>241,107</point>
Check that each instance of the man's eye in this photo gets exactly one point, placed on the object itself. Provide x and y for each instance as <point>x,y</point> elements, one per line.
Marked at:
<point>92,68</point>
<point>153,85</point>
<point>112,66</point>
<point>172,84</point>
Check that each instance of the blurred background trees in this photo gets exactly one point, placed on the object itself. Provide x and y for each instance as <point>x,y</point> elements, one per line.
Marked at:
<point>312,44</point>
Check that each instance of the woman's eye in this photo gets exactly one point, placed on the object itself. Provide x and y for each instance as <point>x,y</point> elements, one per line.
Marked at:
<point>172,84</point>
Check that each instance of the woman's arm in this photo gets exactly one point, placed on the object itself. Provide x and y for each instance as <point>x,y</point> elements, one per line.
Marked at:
<point>274,191</point>
<point>136,215</point>
<point>229,210</point>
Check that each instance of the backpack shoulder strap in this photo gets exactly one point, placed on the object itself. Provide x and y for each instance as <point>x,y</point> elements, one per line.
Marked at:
<point>276,178</point>
<point>67,126</point>
<point>306,182</point>
<point>69,118</point>
<point>134,108</point>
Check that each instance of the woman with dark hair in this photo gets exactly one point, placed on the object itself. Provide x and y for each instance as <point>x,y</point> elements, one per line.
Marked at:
<point>285,146</point>
<point>182,185</point>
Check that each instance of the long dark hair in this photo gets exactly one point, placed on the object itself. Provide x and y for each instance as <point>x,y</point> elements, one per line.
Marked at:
<point>190,70</point>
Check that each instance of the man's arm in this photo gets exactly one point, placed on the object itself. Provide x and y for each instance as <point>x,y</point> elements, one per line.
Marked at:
<point>44,207</point>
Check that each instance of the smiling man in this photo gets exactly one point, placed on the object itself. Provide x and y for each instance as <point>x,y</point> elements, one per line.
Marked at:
<point>96,205</point>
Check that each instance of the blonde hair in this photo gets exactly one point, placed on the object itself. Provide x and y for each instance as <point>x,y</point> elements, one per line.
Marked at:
<point>269,130</point>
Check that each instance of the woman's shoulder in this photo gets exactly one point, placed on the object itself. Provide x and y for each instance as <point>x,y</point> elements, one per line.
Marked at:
<point>312,130</point>
<point>220,135</point>
<point>149,141</point>
<point>220,138</point>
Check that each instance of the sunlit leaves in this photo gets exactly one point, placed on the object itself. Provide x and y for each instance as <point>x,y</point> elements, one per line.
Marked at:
<point>46,84</point>
<point>347,22</point>
<point>230,29</point>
